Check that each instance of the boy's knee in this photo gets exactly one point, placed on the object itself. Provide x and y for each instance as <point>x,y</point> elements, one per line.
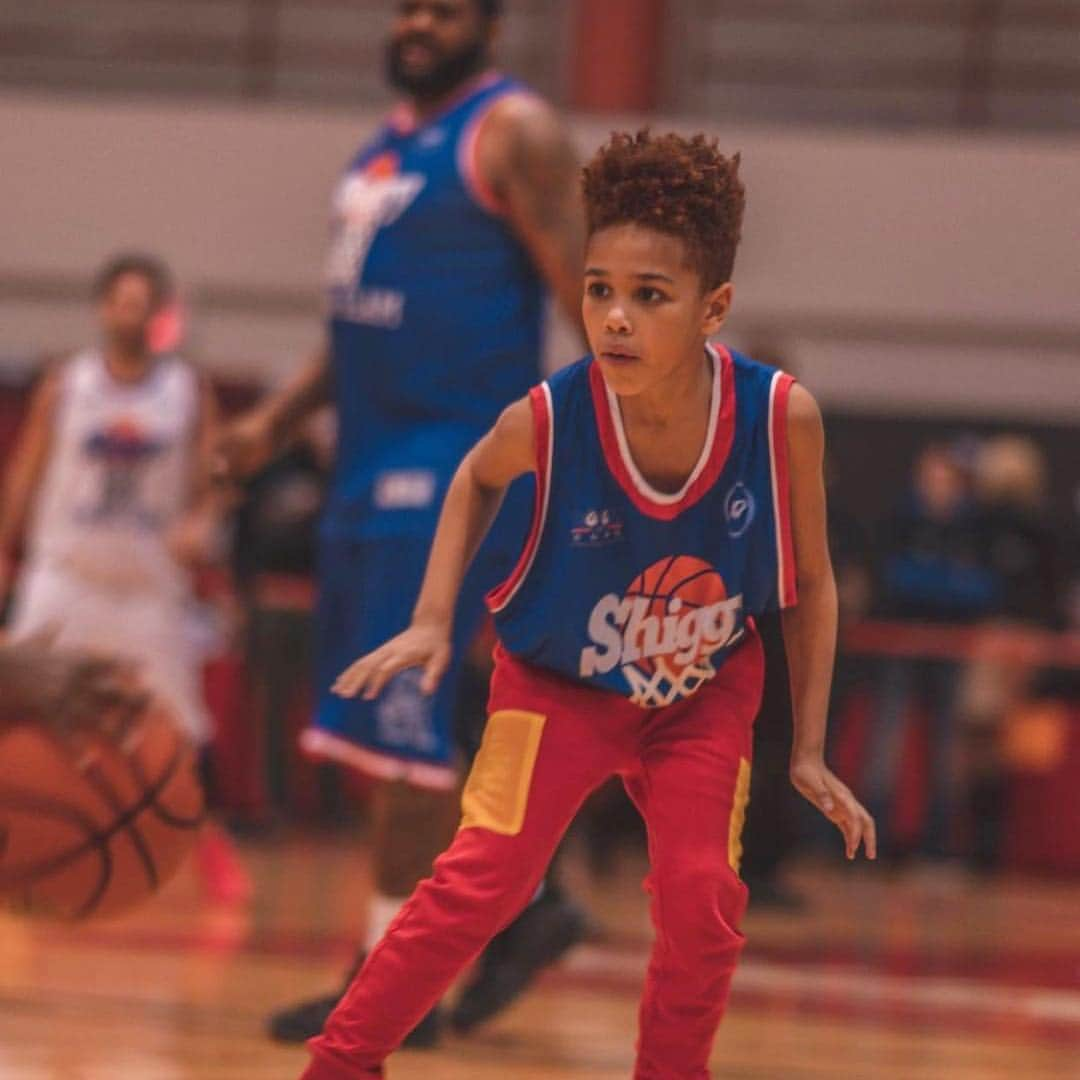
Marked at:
<point>702,905</point>
<point>487,871</point>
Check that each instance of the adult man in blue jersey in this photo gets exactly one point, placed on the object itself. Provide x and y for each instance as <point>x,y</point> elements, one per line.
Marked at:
<point>449,228</point>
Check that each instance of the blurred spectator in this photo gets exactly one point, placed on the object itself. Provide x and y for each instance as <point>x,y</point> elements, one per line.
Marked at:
<point>274,563</point>
<point>1020,552</point>
<point>931,570</point>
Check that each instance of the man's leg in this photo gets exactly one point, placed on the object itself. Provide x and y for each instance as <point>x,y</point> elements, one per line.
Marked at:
<point>692,786</point>
<point>366,594</point>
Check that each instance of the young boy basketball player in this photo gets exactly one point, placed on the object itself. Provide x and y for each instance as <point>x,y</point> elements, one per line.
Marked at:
<point>679,493</point>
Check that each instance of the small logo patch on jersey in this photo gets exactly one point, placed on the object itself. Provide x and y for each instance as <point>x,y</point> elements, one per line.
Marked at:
<point>664,630</point>
<point>739,510</point>
<point>403,715</point>
<point>432,139</point>
<point>404,489</point>
<point>597,528</point>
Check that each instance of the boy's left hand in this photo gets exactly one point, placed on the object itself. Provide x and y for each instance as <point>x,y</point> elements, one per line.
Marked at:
<point>816,782</point>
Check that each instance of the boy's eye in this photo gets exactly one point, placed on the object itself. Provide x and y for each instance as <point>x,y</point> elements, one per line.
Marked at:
<point>648,295</point>
<point>598,290</point>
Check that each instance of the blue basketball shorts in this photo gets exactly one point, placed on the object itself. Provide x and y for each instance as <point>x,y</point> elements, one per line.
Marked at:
<point>367,591</point>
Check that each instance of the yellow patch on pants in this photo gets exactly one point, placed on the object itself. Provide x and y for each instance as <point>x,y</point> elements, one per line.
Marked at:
<point>738,815</point>
<point>497,790</point>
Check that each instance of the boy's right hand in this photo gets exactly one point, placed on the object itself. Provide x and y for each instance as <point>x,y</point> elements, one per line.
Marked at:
<point>422,645</point>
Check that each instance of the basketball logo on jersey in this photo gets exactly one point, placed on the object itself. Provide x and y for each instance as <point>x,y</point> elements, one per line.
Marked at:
<point>367,201</point>
<point>123,450</point>
<point>664,630</point>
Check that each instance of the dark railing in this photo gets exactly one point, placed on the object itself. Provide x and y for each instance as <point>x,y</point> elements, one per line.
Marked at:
<point>314,50</point>
<point>937,63</point>
<point>929,63</point>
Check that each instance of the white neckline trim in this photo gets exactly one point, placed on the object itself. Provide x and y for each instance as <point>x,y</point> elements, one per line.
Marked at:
<point>643,486</point>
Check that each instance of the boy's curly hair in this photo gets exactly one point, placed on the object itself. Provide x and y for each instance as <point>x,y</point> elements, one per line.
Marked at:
<point>683,187</point>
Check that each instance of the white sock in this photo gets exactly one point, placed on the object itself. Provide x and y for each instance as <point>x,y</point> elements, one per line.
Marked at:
<point>381,914</point>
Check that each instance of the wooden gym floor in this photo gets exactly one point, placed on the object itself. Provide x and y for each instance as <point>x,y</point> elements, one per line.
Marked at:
<point>884,977</point>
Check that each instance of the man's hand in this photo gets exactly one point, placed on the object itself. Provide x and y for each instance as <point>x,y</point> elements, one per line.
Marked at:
<point>816,782</point>
<point>244,447</point>
<point>73,694</point>
<point>423,645</point>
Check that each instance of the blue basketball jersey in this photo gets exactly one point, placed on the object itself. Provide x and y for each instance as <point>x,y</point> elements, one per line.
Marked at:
<point>435,314</point>
<point>628,588</point>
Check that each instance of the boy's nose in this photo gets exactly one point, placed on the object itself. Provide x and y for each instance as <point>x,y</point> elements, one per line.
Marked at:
<point>616,321</point>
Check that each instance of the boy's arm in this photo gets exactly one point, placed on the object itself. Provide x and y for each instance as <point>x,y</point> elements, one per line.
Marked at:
<point>810,630</point>
<point>504,453</point>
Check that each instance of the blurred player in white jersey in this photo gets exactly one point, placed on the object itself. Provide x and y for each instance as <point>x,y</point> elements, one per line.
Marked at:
<point>109,482</point>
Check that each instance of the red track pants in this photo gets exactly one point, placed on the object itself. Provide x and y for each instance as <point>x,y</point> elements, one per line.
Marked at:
<point>548,744</point>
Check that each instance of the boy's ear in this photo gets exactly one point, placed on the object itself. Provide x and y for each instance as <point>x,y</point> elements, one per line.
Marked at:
<point>717,308</point>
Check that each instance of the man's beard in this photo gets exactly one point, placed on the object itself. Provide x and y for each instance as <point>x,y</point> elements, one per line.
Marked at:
<point>448,73</point>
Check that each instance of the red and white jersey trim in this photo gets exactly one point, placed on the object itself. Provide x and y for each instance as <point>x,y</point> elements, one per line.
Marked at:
<point>468,163</point>
<point>718,439</point>
<point>544,428</point>
<point>786,585</point>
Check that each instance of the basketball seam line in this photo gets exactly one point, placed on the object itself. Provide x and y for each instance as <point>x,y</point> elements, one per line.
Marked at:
<point>107,792</point>
<point>100,840</point>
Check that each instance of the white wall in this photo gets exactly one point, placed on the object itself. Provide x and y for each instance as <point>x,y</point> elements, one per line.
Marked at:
<point>906,271</point>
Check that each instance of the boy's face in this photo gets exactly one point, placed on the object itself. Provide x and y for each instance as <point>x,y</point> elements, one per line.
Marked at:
<point>646,314</point>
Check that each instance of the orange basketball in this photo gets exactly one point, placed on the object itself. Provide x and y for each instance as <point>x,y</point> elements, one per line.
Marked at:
<point>98,835</point>
<point>676,585</point>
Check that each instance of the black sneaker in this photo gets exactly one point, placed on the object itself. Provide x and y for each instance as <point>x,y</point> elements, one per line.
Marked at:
<point>307,1019</point>
<point>536,939</point>
<point>301,1022</point>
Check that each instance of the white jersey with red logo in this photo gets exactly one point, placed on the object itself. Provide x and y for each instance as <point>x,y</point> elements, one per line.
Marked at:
<point>99,574</point>
<point>119,474</point>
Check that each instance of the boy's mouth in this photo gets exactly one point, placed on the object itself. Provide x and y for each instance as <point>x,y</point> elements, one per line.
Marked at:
<point>618,354</point>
